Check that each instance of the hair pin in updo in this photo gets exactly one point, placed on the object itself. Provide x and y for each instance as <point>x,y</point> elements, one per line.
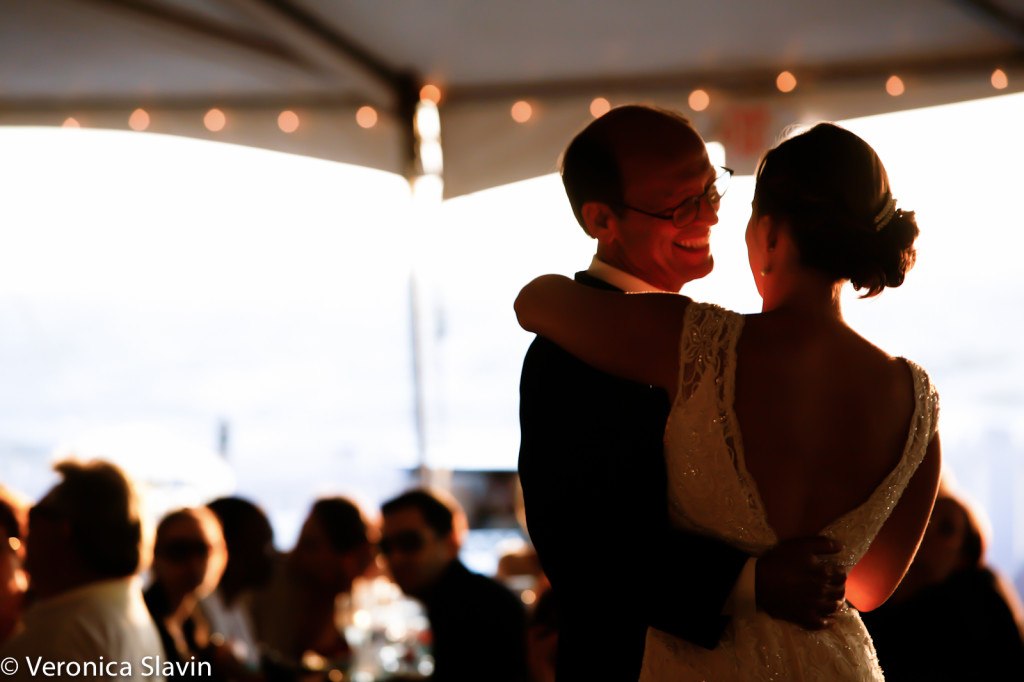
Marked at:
<point>886,214</point>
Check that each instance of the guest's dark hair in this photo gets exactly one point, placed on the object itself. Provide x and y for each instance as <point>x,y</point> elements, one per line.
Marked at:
<point>437,514</point>
<point>235,515</point>
<point>590,164</point>
<point>342,521</point>
<point>831,189</point>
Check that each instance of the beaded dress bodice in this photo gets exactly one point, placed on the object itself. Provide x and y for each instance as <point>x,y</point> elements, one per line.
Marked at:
<point>712,493</point>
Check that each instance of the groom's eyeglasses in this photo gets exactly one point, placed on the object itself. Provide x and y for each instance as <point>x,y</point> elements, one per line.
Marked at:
<point>684,214</point>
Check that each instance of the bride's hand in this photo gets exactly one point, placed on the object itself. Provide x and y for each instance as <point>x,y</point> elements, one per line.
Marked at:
<point>796,582</point>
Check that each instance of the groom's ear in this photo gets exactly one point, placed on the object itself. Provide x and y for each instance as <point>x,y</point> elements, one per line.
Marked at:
<point>600,221</point>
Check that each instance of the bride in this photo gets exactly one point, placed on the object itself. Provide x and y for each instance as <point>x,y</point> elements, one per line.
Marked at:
<point>786,423</point>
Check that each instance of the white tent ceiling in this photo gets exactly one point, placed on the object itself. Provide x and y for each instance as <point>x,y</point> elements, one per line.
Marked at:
<point>98,60</point>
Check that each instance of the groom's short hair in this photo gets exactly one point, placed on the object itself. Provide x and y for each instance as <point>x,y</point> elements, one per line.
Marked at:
<point>590,164</point>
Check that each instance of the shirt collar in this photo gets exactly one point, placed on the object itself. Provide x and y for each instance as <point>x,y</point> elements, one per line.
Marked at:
<point>621,279</point>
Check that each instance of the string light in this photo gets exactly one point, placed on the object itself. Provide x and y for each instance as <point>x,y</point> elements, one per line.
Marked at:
<point>431,93</point>
<point>521,111</point>
<point>288,121</point>
<point>215,120</point>
<point>785,82</point>
<point>139,120</point>
<point>699,100</point>
<point>366,117</point>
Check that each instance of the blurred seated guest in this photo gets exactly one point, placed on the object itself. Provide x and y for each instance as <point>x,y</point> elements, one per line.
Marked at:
<point>478,626</point>
<point>84,550</point>
<point>521,562</point>
<point>952,617</point>
<point>12,577</point>
<point>250,542</point>
<point>542,639</point>
<point>295,614</point>
<point>188,560</point>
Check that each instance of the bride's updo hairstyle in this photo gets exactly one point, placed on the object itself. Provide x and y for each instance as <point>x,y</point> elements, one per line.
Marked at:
<point>831,189</point>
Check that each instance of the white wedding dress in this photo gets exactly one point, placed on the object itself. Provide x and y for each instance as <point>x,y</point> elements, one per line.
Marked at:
<point>712,493</point>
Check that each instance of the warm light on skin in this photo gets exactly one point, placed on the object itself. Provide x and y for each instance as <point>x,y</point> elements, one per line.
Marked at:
<point>699,100</point>
<point>215,120</point>
<point>431,93</point>
<point>70,122</point>
<point>599,107</point>
<point>521,111</point>
<point>785,82</point>
<point>999,80</point>
<point>366,117</point>
<point>139,120</point>
<point>894,86</point>
<point>288,121</point>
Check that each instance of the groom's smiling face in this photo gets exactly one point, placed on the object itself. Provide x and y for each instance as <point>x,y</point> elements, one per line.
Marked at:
<point>656,178</point>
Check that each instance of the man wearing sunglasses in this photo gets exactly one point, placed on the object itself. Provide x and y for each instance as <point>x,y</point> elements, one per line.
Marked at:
<point>640,183</point>
<point>478,626</point>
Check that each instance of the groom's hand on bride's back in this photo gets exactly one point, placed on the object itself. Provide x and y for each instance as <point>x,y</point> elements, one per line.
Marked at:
<point>796,581</point>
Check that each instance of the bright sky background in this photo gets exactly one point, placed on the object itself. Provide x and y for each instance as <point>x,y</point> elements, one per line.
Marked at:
<point>152,287</point>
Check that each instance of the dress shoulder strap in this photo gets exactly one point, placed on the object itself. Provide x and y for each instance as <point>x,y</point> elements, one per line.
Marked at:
<point>709,338</point>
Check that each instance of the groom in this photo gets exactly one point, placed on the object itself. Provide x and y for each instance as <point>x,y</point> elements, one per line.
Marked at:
<point>590,460</point>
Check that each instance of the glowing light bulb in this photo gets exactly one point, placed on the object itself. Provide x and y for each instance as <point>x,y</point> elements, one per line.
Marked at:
<point>70,122</point>
<point>521,111</point>
<point>139,120</point>
<point>431,93</point>
<point>431,156</point>
<point>894,86</point>
<point>366,117</point>
<point>699,100</point>
<point>288,121</point>
<point>428,120</point>
<point>999,79</point>
<point>599,107</point>
<point>215,120</point>
<point>785,82</point>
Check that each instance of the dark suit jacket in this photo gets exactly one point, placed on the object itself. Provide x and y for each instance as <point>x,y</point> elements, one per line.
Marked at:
<point>594,484</point>
<point>479,628</point>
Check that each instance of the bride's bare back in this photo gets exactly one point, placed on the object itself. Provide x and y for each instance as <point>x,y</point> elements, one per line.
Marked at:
<point>824,417</point>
